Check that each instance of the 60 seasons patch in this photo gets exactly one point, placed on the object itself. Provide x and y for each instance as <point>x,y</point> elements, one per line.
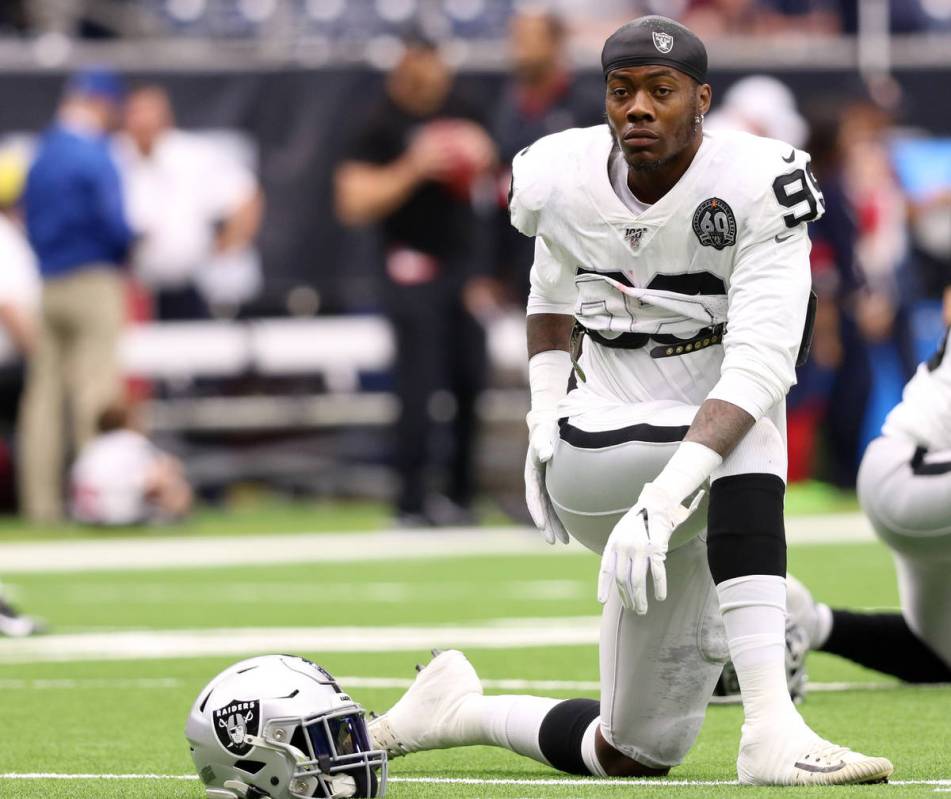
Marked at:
<point>714,224</point>
<point>236,720</point>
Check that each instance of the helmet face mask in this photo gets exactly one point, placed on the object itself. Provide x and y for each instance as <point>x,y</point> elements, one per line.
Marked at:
<point>279,726</point>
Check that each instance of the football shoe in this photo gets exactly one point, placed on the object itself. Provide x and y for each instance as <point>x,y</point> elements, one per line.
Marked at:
<point>777,757</point>
<point>430,715</point>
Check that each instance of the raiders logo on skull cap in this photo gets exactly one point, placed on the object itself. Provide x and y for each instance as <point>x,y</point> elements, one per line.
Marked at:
<point>655,40</point>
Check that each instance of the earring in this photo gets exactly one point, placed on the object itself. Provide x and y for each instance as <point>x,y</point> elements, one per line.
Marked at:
<point>699,119</point>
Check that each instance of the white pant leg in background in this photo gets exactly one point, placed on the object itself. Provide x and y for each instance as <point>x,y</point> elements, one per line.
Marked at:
<point>906,494</point>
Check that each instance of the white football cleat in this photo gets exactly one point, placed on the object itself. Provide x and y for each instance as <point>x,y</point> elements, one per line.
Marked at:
<point>428,715</point>
<point>805,759</point>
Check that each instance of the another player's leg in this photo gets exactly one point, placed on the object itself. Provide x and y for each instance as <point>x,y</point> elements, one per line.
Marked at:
<point>747,556</point>
<point>904,492</point>
<point>880,641</point>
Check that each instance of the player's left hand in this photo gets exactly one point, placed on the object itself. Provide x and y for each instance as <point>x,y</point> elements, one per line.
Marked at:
<point>638,541</point>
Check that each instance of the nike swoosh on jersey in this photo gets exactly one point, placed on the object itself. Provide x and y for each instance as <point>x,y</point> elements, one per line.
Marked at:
<point>792,157</point>
<point>780,239</point>
<point>820,769</point>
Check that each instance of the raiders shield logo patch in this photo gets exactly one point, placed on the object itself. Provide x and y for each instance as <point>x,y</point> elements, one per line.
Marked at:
<point>714,224</point>
<point>663,41</point>
<point>234,721</point>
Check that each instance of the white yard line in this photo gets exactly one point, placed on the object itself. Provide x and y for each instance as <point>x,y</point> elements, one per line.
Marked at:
<point>401,683</point>
<point>122,554</point>
<point>156,644</point>
<point>250,592</point>
<point>69,684</point>
<point>577,783</point>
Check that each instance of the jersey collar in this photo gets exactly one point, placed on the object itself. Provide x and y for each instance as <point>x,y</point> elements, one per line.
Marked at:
<point>597,183</point>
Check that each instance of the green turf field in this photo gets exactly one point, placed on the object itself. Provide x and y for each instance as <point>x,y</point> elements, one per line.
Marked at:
<point>69,712</point>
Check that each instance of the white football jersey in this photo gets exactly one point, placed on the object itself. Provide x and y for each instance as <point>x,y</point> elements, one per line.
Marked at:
<point>704,294</point>
<point>924,413</point>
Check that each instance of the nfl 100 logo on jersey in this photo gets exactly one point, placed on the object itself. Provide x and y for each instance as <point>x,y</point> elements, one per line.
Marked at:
<point>714,224</point>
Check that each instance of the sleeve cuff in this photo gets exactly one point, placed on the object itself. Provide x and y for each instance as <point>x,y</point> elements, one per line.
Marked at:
<point>538,305</point>
<point>739,389</point>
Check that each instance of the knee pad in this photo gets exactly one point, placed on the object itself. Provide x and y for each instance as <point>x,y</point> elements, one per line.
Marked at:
<point>745,530</point>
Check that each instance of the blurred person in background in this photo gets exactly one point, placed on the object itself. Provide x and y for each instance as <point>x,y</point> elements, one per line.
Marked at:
<point>411,170</point>
<point>542,97</point>
<point>20,290</point>
<point>832,393</point>
<point>882,258</point>
<point>76,223</point>
<point>19,310</point>
<point>122,478</point>
<point>764,17</point>
<point>190,203</point>
<point>763,106</point>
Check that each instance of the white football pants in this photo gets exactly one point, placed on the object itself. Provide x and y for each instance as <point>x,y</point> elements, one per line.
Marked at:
<point>906,493</point>
<point>658,671</point>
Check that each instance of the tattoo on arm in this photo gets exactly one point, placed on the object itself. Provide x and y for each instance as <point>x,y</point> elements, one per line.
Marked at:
<point>548,331</point>
<point>720,426</point>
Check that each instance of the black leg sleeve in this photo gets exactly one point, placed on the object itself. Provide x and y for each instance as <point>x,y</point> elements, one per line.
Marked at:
<point>884,642</point>
<point>745,531</point>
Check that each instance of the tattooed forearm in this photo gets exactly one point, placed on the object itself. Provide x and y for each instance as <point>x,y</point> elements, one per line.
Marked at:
<point>719,425</point>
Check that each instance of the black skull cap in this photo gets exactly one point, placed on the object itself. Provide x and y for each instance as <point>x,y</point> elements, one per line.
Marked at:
<point>655,40</point>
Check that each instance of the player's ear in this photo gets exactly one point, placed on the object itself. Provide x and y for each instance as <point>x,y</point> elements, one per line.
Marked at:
<point>704,97</point>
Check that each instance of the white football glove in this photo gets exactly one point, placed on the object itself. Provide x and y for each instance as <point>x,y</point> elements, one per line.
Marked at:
<point>541,446</point>
<point>638,541</point>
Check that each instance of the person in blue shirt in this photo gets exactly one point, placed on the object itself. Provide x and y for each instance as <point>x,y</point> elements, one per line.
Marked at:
<point>75,220</point>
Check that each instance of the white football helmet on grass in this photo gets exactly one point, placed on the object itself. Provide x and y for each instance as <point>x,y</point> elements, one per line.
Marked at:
<point>279,727</point>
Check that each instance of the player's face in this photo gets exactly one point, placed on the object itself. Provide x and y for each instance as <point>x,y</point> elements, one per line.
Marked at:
<point>653,111</point>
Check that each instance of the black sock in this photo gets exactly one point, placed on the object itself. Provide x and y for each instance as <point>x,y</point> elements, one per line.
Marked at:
<point>884,642</point>
<point>562,730</point>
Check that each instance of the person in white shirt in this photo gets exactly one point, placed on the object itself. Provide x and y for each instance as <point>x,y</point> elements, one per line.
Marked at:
<point>20,285</point>
<point>20,292</point>
<point>122,478</point>
<point>197,209</point>
<point>681,259</point>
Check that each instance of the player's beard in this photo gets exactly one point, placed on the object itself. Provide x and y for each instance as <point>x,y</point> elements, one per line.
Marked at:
<point>683,137</point>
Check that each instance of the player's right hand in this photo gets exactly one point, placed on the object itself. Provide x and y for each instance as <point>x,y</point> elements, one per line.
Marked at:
<point>541,446</point>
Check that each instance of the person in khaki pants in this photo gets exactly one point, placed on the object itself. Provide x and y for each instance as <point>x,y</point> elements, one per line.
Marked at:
<point>77,227</point>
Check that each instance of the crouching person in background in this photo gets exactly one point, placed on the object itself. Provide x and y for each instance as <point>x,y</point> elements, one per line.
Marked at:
<point>122,478</point>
